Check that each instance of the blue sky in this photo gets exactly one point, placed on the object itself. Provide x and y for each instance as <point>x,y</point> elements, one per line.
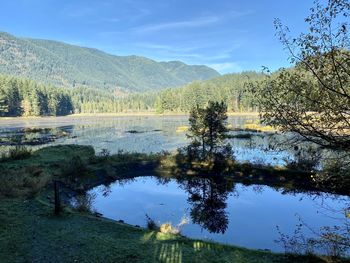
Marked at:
<point>228,35</point>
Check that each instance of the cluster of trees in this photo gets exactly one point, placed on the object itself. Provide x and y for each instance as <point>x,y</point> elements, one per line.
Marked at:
<point>230,89</point>
<point>26,98</point>
<point>96,101</point>
<point>20,97</point>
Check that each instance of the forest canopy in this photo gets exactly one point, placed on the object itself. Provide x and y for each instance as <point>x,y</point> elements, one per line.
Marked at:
<point>21,97</point>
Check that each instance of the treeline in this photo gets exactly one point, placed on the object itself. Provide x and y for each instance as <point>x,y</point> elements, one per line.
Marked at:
<point>22,97</point>
<point>19,97</point>
<point>231,89</point>
<point>96,101</point>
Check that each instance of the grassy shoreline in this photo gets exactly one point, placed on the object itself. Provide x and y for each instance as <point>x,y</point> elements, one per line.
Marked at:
<point>29,230</point>
<point>31,233</point>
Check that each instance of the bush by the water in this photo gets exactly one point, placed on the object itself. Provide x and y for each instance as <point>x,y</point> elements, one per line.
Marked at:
<point>16,153</point>
<point>83,203</point>
<point>305,159</point>
<point>151,224</point>
<point>74,168</point>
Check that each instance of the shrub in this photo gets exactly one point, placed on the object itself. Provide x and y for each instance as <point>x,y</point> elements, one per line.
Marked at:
<point>22,182</point>
<point>307,159</point>
<point>105,153</point>
<point>83,203</point>
<point>151,224</point>
<point>18,153</point>
<point>74,168</point>
<point>335,174</point>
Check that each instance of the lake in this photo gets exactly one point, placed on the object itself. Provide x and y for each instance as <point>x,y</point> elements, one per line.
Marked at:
<point>219,210</point>
<point>142,134</point>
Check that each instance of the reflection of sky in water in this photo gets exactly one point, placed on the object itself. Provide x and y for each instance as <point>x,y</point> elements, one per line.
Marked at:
<point>253,211</point>
<point>259,156</point>
<point>156,134</point>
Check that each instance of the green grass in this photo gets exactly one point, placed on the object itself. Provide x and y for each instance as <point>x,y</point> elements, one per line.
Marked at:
<point>28,176</point>
<point>29,232</point>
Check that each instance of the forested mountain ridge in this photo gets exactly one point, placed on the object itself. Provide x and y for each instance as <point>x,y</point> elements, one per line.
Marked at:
<point>66,65</point>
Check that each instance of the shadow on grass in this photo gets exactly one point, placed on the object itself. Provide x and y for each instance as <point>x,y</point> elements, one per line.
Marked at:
<point>172,249</point>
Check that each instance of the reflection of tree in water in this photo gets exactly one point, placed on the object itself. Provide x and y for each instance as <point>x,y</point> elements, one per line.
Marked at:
<point>106,189</point>
<point>208,199</point>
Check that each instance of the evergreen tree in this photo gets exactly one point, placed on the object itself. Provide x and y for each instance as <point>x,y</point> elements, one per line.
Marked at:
<point>215,121</point>
<point>208,131</point>
<point>197,130</point>
<point>3,104</point>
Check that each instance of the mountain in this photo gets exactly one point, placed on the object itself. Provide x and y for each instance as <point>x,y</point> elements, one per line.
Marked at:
<point>67,65</point>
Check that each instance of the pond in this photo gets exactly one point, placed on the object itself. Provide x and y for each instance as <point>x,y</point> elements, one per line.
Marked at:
<point>217,209</point>
<point>221,210</point>
<point>134,134</point>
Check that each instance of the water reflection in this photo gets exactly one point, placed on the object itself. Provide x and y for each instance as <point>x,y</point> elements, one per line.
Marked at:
<point>207,198</point>
<point>146,134</point>
<point>218,208</point>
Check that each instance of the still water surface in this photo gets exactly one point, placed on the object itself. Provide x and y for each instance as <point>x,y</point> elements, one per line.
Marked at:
<point>216,210</point>
<point>153,134</point>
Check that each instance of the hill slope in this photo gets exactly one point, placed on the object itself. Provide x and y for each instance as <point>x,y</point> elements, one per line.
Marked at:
<point>68,65</point>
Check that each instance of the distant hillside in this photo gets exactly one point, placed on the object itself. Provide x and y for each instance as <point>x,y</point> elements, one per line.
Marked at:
<point>67,65</point>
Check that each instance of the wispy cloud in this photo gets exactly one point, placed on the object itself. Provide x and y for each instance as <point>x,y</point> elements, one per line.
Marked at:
<point>237,14</point>
<point>226,67</point>
<point>198,22</point>
<point>174,48</point>
<point>210,52</point>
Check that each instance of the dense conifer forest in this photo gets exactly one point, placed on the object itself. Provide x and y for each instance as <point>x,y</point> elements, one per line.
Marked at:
<point>22,97</point>
<point>65,65</point>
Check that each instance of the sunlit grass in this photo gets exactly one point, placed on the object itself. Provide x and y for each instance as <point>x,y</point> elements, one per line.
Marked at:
<point>182,129</point>
<point>259,127</point>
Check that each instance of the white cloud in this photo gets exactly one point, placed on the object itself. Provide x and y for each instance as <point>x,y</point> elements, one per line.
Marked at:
<point>226,67</point>
<point>202,21</point>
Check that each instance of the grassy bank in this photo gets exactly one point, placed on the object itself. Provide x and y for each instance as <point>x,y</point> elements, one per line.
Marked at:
<point>29,232</point>
<point>81,169</point>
